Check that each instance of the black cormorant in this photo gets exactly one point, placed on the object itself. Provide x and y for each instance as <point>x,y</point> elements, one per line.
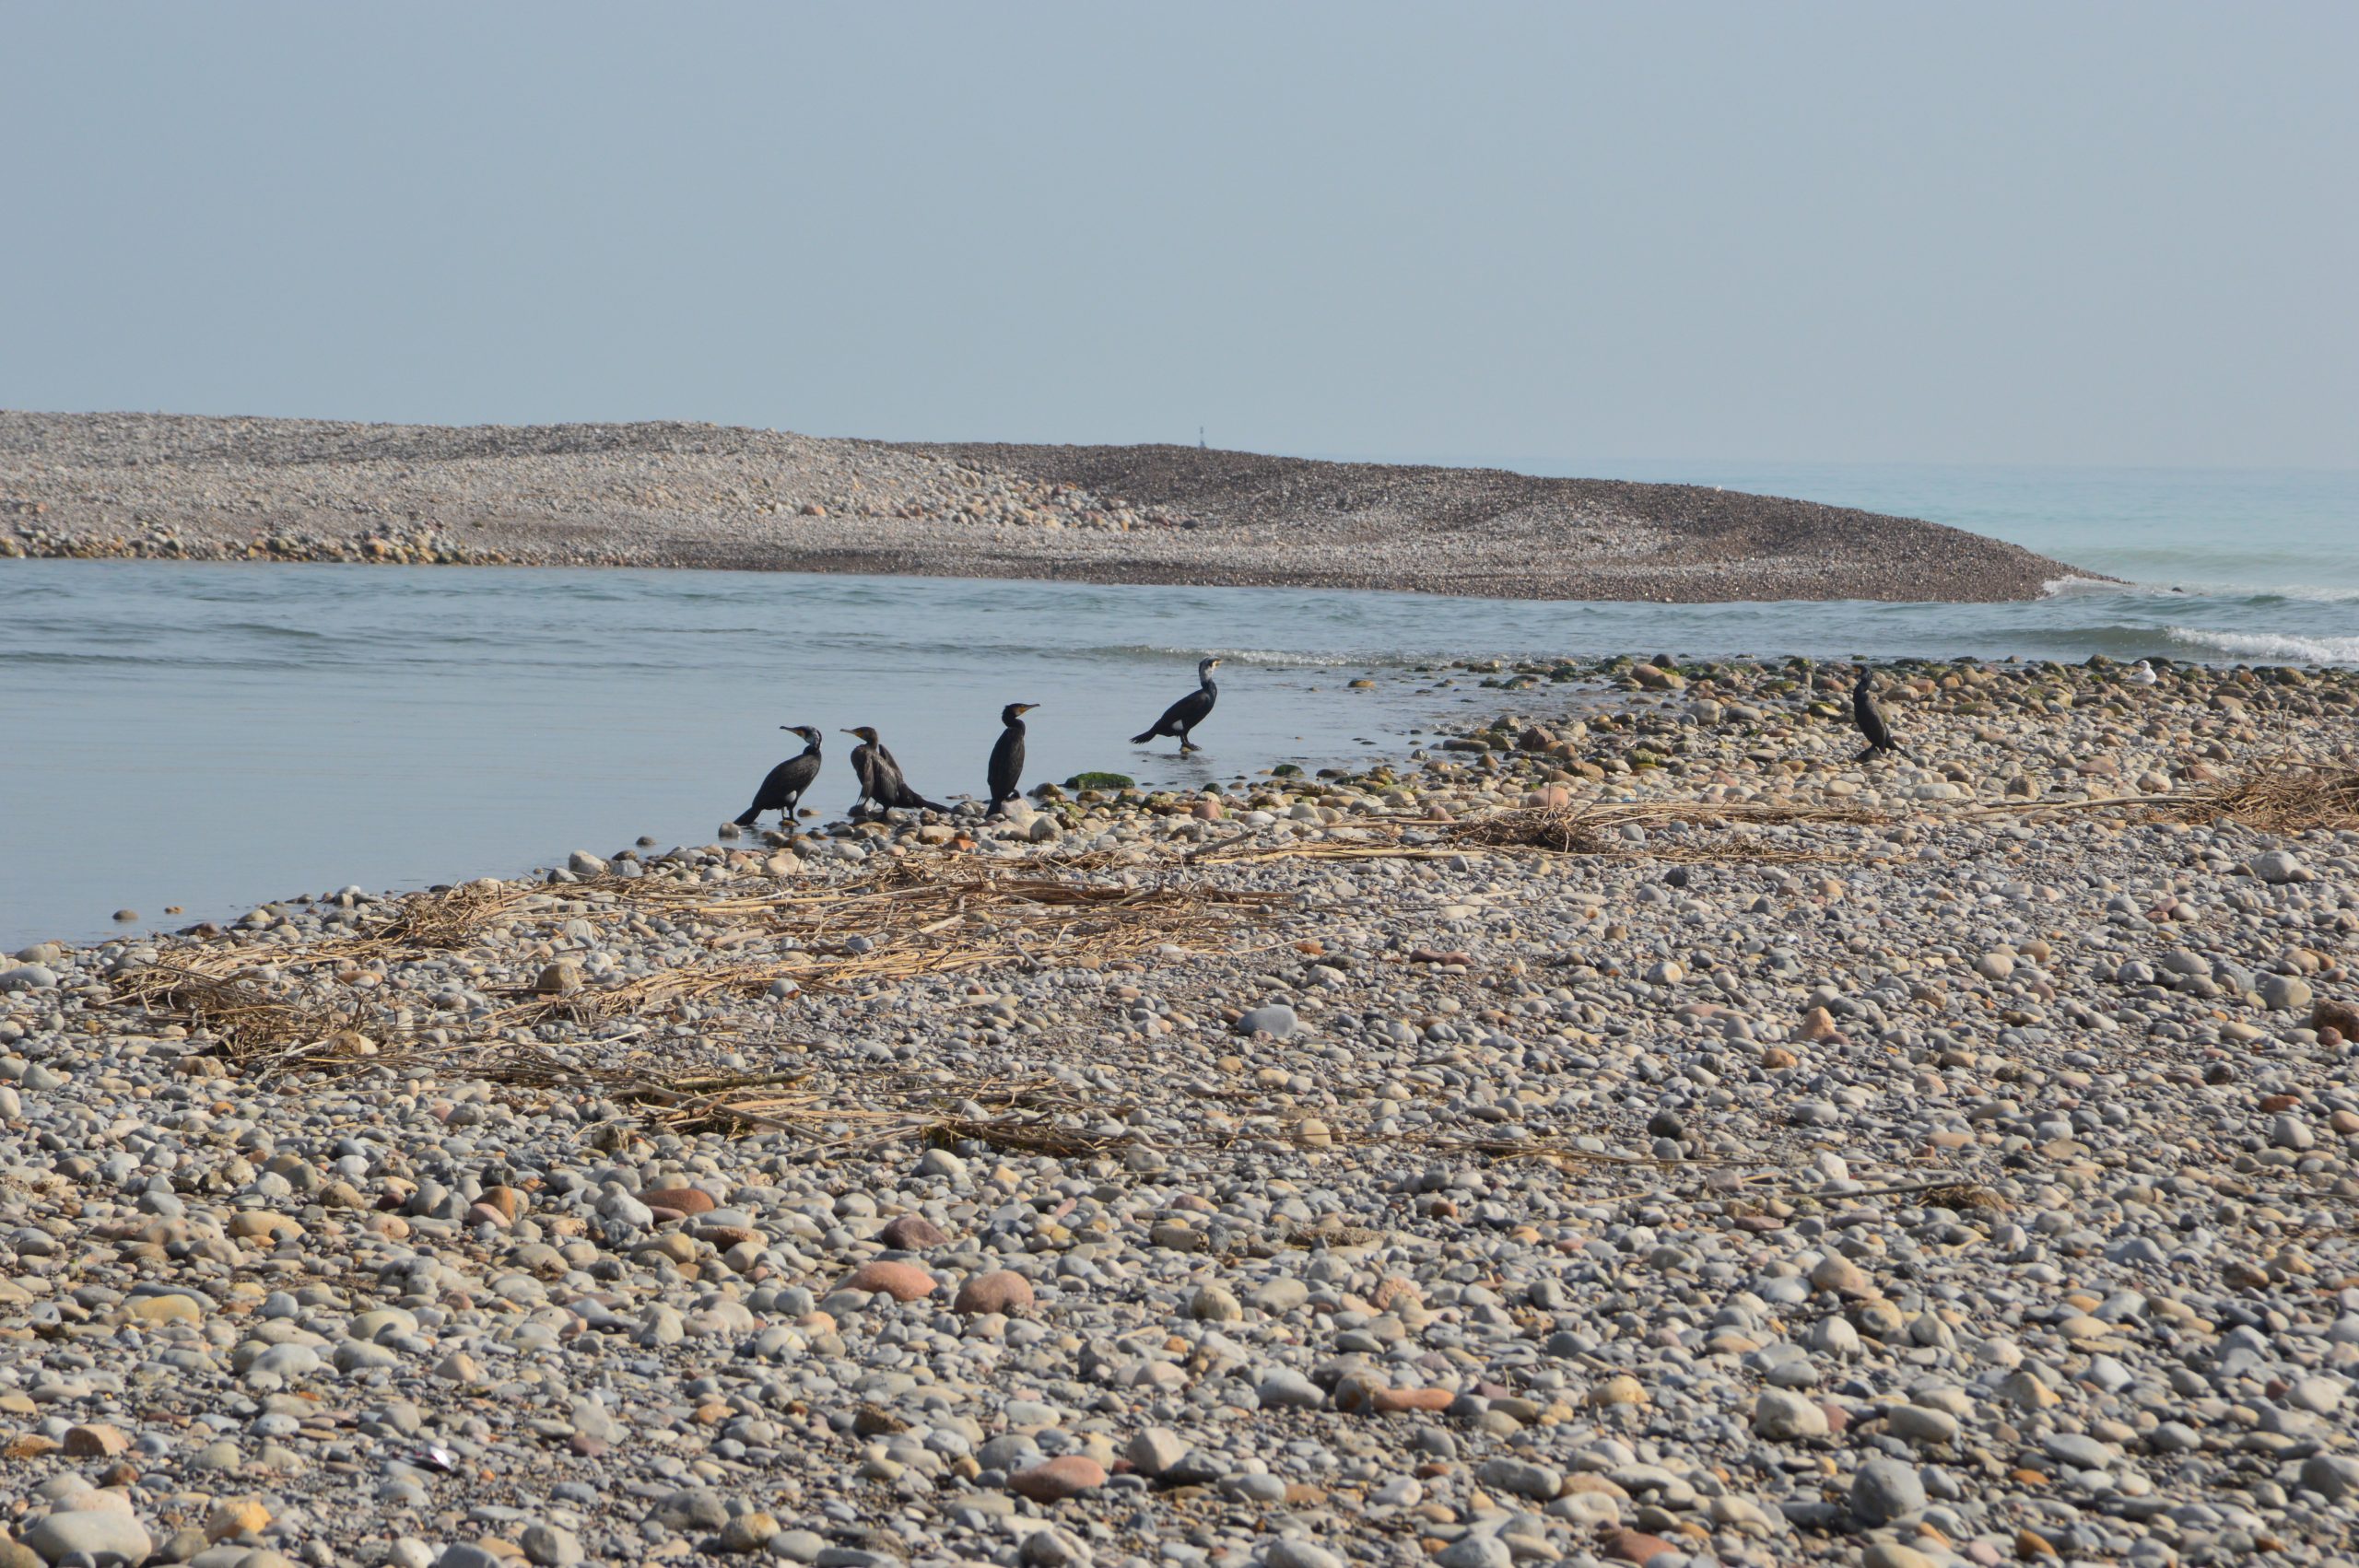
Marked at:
<point>783,791</point>
<point>1869,719</point>
<point>1188,711</point>
<point>880,777</point>
<point>1007,754</point>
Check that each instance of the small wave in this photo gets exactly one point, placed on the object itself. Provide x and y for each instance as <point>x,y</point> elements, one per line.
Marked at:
<point>273,629</point>
<point>2298,593</point>
<point>2271,645</point>
<point>2069,587</point>
<point>1267,658</point>
<point>2238,592</point>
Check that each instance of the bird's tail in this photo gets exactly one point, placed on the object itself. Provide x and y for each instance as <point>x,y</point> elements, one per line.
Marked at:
<point>751,813</point>
<point>1141,740</point>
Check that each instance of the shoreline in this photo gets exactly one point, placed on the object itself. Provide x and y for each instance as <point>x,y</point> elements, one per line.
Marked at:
<point>671,494</point>
<point>1792,1155</point>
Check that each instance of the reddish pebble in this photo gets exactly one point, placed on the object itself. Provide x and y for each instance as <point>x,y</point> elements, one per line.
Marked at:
<point>1001,1290</point>
<point>2339,1016</point>
<point>2275,1103</point>
<point>1633,1546</point>
<point>1402,1401</point>
<point>1067,1475</point>
<point>679,1200</point>
<point>911,1232</point>
<point>902,1281</point>
<point>484,1214</point>
<point>96,1440</point>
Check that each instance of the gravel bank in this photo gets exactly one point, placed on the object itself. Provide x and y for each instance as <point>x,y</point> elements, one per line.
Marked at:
<point>1917,1181</point>
<point>670,495</point>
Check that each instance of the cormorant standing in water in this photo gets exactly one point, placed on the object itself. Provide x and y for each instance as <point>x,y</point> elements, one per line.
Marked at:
<point>880,777</point>
<point>1188,712</point>
<point>1007,754</point>
<point>783,791</point>
<point>1870,719</point>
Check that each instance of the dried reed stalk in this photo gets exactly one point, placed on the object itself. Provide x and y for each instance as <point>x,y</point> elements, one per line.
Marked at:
<point>251,1023</point>
<point>2280,794</point>
<point>447,919</point>
<point>913,921</point>
<point>1590,827</point>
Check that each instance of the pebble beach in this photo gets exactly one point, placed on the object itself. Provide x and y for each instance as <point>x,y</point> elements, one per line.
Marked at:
<point>183,488</point>
<point>1628,1130</point>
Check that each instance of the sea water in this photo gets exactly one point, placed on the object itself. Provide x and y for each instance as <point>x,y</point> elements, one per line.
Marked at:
<point>209,737</point>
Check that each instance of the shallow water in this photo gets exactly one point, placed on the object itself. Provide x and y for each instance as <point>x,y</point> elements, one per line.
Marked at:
<point>216,736</point>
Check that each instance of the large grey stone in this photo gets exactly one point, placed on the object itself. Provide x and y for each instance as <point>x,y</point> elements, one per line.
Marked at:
<point>109,1538</point>
<point>1783,1416</point>
<point>2332,1475</point>
<point>1886,1490</point>
<point>1277,1019</point>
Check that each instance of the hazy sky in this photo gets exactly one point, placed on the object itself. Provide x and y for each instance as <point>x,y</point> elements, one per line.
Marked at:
<point>2038,233</point>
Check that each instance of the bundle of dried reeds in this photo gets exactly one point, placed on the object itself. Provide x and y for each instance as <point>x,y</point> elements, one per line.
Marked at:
<point>251,1024</point>
<point>1588,827</point>
<point>912,919</point>
<point>2284,793</point>
<point>449,918</point>
<point>1595,828</point>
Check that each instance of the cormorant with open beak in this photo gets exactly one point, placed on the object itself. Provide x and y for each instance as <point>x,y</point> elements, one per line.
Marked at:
<point>782,792</point>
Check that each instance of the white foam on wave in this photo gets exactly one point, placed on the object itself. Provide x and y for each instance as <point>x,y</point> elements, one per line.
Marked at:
<point>2067,587</point>
<point>1267,658</point>
<point>2306,593</point>
<point>2273,646</point>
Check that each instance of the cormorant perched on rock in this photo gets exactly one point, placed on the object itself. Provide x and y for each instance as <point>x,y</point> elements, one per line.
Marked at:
<point>1869,719</point>
<point>783,791</point>
<point>880,777</point>
<point>1007,754</point>
<point>1188,711</point>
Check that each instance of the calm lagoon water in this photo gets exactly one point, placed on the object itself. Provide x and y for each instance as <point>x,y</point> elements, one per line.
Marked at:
<point>216,736</point>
